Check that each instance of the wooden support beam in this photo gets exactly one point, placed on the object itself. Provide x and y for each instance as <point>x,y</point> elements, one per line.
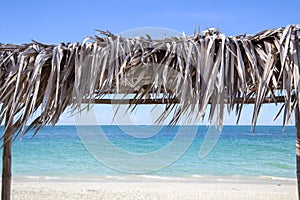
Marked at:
<point>6,168</point>
<point>279,99</point>
<point>297,124</point>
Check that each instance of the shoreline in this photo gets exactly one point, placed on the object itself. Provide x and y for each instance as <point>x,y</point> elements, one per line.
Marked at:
<point>134,187</point>
<point>149,177</point>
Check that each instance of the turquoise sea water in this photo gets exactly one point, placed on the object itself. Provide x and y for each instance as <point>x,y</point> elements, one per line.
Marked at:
<point>59,152</point>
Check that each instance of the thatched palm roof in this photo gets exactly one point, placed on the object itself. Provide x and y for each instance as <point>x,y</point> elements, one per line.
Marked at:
<point>186,73</point>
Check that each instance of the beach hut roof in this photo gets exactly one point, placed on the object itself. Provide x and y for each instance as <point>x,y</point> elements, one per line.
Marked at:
<point>185,73</point>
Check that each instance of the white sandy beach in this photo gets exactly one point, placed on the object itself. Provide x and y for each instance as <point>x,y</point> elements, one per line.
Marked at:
<point>154,188</point>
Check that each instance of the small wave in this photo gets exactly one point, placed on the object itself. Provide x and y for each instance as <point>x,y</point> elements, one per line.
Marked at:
<point>115,177</point>
<point>197,176</point>
<point>278,178</point>
<point>52,178</point>
<point>38,178</point>
<point>31,177</point>
<point>160,177</point>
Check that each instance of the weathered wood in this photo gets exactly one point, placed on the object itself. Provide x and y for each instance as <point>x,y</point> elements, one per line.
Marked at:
<point>6,169</point>
<point>297,124</point>
<point>279,99</point>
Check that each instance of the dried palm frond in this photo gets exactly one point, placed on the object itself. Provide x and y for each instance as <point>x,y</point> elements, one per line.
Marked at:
<point>187,73</point>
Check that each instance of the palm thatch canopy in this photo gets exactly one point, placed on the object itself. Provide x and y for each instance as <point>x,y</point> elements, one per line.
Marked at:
<point>189,71</point>
<point>185,73</point>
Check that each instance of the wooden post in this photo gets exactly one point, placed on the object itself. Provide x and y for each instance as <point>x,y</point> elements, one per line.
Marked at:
<point>6,168</point>
<point>297,124</point>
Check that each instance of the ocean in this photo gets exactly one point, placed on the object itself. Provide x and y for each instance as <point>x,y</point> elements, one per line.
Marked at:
<point>65,151</point>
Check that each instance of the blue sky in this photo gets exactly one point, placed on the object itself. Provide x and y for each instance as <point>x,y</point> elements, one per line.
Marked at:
<point>69,21</point>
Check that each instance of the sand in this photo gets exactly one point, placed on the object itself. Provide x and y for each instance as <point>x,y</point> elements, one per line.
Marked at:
<point>154,188</point>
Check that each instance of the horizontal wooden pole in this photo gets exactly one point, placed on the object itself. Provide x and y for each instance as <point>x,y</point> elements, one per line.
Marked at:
<point>279,99</point>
